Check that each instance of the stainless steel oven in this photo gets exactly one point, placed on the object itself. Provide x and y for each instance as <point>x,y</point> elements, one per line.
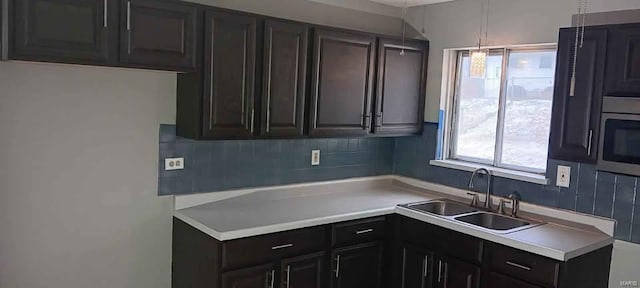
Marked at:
<point>620,136</point>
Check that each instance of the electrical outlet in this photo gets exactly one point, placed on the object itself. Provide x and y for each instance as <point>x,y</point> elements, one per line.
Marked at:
<point>315,157</point>
<point>564,176</point>
<point>173,164</point>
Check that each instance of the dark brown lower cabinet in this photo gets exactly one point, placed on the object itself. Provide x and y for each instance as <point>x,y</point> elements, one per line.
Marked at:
<point>254,277</point>
<point>417,268</point>
<point>500,281</point>
<point>453,273</point>
<point>303,272</point>
<point>357,266</point>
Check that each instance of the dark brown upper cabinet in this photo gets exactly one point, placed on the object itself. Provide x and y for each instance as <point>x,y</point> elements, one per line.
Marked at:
<point>401,87</point>
<point>575,119</point>
<point>160,34</point>
<point>342,84</point>
<point>67,31</point>
<point>229,75</point>
<point>284,81</point>
<point>623,62</point>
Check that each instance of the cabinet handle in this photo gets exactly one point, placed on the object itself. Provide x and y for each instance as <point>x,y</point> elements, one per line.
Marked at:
<point>252,118</point>
<point>590,142</point>
<point>518,266</point>
<point>469,278</point>
<point>364,231</point>
<point>268,119</point>
<point>281,246</point>
<point>288,270</point>
<point>273,278</point>
<point>270,279</point>
<point>439,271</point>
<point>337,266</point>
<point>572,88</point>
<point>106,13</point>
<point>425,265</point>
<point>128,15</point>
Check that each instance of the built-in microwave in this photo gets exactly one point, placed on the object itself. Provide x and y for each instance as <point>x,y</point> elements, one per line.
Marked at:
<point>620,136</point>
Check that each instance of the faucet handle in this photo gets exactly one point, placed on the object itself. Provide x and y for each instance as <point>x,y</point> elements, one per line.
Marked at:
<point>476,199</point>
<point>501,208</point>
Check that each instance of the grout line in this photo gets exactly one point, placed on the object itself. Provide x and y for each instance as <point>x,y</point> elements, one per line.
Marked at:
<point>575,198</point>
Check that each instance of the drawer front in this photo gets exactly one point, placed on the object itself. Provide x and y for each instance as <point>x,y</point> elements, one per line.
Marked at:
<point>358,231</point>
<point>260,249</point>
<point>524,265</point>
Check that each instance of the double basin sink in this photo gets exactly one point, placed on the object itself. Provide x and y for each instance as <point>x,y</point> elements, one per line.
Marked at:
<point>472,216</point>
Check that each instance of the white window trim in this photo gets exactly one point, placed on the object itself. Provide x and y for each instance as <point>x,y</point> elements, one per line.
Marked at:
<point>447,103</point>
<point>496,171</point>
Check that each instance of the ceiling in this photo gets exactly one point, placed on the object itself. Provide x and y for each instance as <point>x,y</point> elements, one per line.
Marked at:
<point>401,3</point>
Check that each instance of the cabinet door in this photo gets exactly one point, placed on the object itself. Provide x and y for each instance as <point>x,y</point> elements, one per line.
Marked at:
<point>303,272</point>
<point>230,49</point>
<point>623,62</point>
<point>342,84</point>
<point>575,119</point>
<point>158,34</point>
<point>255,277</point>
<point>401,87</point>
<point>500,281</point>
<point>417,268</point>
<point>453,273</point>
<point>284,83</point>
<point>357,266</point>
<point>69,31</point>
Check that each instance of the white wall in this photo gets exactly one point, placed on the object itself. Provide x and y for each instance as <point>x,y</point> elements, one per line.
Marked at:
<point>78,204</point>
<point>455,25</point>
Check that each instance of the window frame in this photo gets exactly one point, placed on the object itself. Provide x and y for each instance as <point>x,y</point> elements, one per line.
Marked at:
<point>453,99</point>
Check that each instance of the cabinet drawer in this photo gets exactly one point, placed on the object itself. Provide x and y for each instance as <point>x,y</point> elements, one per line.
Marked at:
<point>524,265</point>
<point>264,248</point>
<point>358,231</point>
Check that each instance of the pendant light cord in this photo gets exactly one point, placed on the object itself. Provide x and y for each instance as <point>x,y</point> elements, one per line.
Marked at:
<point>404,26</point>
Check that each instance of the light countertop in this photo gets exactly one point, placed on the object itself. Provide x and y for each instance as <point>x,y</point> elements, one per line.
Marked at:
<point>277,210</point>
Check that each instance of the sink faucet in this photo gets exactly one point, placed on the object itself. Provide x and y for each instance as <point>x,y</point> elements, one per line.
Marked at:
<point>487,199</point>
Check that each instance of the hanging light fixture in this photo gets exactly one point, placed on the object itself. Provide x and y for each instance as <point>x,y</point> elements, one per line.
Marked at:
<point>580,26</point>
<point>478,65</point>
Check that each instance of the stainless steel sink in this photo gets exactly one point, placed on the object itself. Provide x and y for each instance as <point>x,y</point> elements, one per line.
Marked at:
<point>442,207</point>
<point>495,222</point>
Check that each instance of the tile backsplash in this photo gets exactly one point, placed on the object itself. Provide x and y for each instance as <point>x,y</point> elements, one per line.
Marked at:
<point>221,165</point>
<point>591,192</point>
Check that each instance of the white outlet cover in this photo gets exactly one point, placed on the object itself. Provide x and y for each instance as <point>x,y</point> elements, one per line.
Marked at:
<point>173,164</point>
<point>564,176</point>
<point>315,157</point>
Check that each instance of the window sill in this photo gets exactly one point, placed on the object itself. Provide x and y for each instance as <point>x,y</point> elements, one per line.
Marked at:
<point>500,172</point>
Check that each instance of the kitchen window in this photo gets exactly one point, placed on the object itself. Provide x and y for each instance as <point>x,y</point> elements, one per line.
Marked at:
<point>501,120</point>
